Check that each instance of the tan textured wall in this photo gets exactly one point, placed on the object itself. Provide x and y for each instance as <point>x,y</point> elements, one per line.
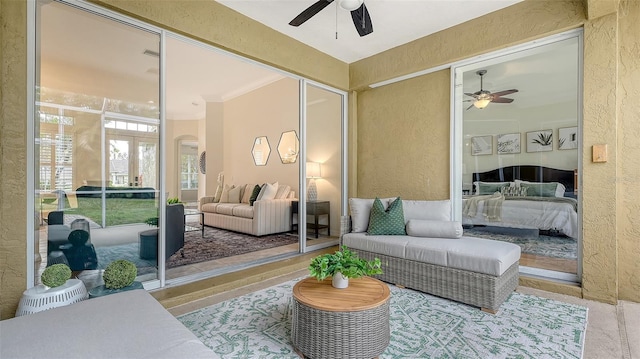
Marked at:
<point>611,246</point>
<point>220,26</point>
<point>403,139</point>
<point>599,280</point>
<point>13,154</point>
<point>629,159</point>
<point>518,23</point>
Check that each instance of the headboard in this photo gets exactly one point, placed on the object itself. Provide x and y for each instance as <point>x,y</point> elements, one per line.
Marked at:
<point>531,174</point>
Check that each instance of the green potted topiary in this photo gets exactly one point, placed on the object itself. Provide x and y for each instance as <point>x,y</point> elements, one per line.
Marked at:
<point>55,275</point>
<point>119,274</point>
<point>342,265</point>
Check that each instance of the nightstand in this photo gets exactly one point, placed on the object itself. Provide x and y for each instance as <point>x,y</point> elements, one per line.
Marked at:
<point>315,209</point>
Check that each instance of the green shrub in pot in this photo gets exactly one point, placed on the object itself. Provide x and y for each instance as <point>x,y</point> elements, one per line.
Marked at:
<point>56,275</point>
<point>119,274</point>
<point>345,262</point>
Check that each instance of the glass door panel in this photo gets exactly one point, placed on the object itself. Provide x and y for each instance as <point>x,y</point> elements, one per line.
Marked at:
<point>96,130</point>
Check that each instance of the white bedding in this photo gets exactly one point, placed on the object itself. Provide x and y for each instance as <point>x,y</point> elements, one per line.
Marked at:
<point>518,213</point>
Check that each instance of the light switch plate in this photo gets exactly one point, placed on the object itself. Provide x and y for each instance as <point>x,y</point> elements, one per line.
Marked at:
<point>599,153</point>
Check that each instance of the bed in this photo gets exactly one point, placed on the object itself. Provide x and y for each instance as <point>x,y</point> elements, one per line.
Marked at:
<point>549,203</point>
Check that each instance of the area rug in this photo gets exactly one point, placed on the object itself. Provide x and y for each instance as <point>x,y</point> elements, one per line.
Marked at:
<point>219,243</point>
<point>258,325</point>
<point>542,245</point>
<point>129,252</point>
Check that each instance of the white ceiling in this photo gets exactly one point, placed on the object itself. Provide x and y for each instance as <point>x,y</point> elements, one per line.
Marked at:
<point>395,22</point>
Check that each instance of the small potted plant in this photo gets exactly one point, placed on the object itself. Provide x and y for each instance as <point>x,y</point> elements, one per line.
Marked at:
<point>342,265</point>
<point>153,221</point>
<point>119,274</point>
<point>55,275</point>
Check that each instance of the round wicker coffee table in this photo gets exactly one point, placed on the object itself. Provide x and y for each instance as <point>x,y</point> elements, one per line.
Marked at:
<point>340,323</point>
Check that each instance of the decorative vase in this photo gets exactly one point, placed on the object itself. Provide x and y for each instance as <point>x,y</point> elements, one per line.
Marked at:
<point>339,281</point>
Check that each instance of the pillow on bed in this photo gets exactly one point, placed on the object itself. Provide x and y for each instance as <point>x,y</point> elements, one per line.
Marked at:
<point>542,189</point>
<point>434,229</point>
<point>490,187</point>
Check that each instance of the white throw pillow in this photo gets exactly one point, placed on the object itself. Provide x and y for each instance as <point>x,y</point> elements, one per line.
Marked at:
<point>283,191</point>
<point>431,210</point>
<point>434,229</point>
<point>246,192</point>
<point>234,194</point>
<point>270,191</point>
<point>224,197</point>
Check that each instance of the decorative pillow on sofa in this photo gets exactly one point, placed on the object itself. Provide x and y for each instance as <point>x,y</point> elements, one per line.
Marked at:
<point>216,196</point>
<point>268,192</point>
<point>283,192</point>
<point>386,222</point>
<point>360,211</point>
<point>246,192</point>
<point>254,194</point>
<point>224,197</point>
<point>434,229</point>
<point>234,194</point>
<point>431,210</point>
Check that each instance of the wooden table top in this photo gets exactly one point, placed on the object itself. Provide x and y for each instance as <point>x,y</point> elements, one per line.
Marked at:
<point>362,294</point>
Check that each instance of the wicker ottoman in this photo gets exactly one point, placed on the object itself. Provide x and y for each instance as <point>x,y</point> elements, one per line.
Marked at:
<point>340,323</point>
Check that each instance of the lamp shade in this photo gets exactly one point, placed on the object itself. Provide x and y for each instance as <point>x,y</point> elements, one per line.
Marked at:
<point>313,170</point>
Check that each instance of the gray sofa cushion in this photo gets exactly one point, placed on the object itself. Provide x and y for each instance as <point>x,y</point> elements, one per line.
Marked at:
<point>434,229</point>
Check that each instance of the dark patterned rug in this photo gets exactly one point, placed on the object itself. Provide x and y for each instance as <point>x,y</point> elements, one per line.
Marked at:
<point>549,246</point>
<point>219,243</point>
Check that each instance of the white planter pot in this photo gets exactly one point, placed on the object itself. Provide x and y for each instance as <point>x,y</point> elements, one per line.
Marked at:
<point>339,281</point>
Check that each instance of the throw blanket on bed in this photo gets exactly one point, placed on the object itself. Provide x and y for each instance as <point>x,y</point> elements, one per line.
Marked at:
<point>492,209</point>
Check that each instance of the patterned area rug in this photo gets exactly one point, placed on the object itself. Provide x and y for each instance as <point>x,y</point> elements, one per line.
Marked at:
<point>129,252</point>
<point>542,245</point>
<point>258,325</point>
<point>218,243</point>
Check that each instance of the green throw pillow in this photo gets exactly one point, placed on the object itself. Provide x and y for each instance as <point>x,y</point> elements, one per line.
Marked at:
<point>389,222</point>
<point>254,194</point>
<point>541,189</point>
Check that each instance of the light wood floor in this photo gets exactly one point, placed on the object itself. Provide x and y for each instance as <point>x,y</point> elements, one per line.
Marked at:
<point>555,264</point>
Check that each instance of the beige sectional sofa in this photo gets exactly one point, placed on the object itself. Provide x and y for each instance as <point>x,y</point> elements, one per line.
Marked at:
<point>435,257</point>
<point>232,209</point>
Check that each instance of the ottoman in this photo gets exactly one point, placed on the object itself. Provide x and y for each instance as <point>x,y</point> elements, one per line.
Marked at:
<point>148,244</point>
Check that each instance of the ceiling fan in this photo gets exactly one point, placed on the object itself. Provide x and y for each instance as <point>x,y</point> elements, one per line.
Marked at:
<point>359,14</point>
<point>483,97</point>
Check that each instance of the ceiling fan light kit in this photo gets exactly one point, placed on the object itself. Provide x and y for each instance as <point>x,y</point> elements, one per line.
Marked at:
<point>359,14</point>
<point>483,97</point>
<point>350,4</point>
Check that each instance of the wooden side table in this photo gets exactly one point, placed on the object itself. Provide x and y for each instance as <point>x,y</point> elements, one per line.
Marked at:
<point>340,323</point>
<point>315,209</point>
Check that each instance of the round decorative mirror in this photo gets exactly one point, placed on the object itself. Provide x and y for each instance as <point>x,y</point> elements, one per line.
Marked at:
<point>261,151</point>
<point>288,147</point>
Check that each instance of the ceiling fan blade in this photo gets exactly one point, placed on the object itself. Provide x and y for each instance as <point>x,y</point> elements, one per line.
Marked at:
<point>502,100</point>
<point>469,108</point>
<point>471,94</point>
<point>309,12</point>
<point>505,92</point>
<point>362,20</point>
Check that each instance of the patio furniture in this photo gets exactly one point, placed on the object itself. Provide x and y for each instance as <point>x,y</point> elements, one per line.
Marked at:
<point>41,298</point>
<point>340,323</point>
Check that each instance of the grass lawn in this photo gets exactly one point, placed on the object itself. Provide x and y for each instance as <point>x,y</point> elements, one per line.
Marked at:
<point>119,210</point>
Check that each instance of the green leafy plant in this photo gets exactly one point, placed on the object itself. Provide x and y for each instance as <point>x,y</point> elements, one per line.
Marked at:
<point>119,274</point>
<point>56,275</point>
<point>344,261</point>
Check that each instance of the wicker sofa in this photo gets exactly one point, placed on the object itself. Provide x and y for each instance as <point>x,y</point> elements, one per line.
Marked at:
<point>479,272</point>
<point>262,217</point>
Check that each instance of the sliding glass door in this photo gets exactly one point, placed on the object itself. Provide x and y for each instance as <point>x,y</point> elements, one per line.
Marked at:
<point>97,131</point>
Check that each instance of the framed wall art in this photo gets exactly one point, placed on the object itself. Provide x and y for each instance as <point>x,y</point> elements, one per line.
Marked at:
<point>568,138</point>
<point>509,143</point>
<point>540,141</point>
<point>482,145</point>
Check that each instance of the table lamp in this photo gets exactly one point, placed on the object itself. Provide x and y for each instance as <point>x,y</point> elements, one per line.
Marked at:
<point>313,172</point>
